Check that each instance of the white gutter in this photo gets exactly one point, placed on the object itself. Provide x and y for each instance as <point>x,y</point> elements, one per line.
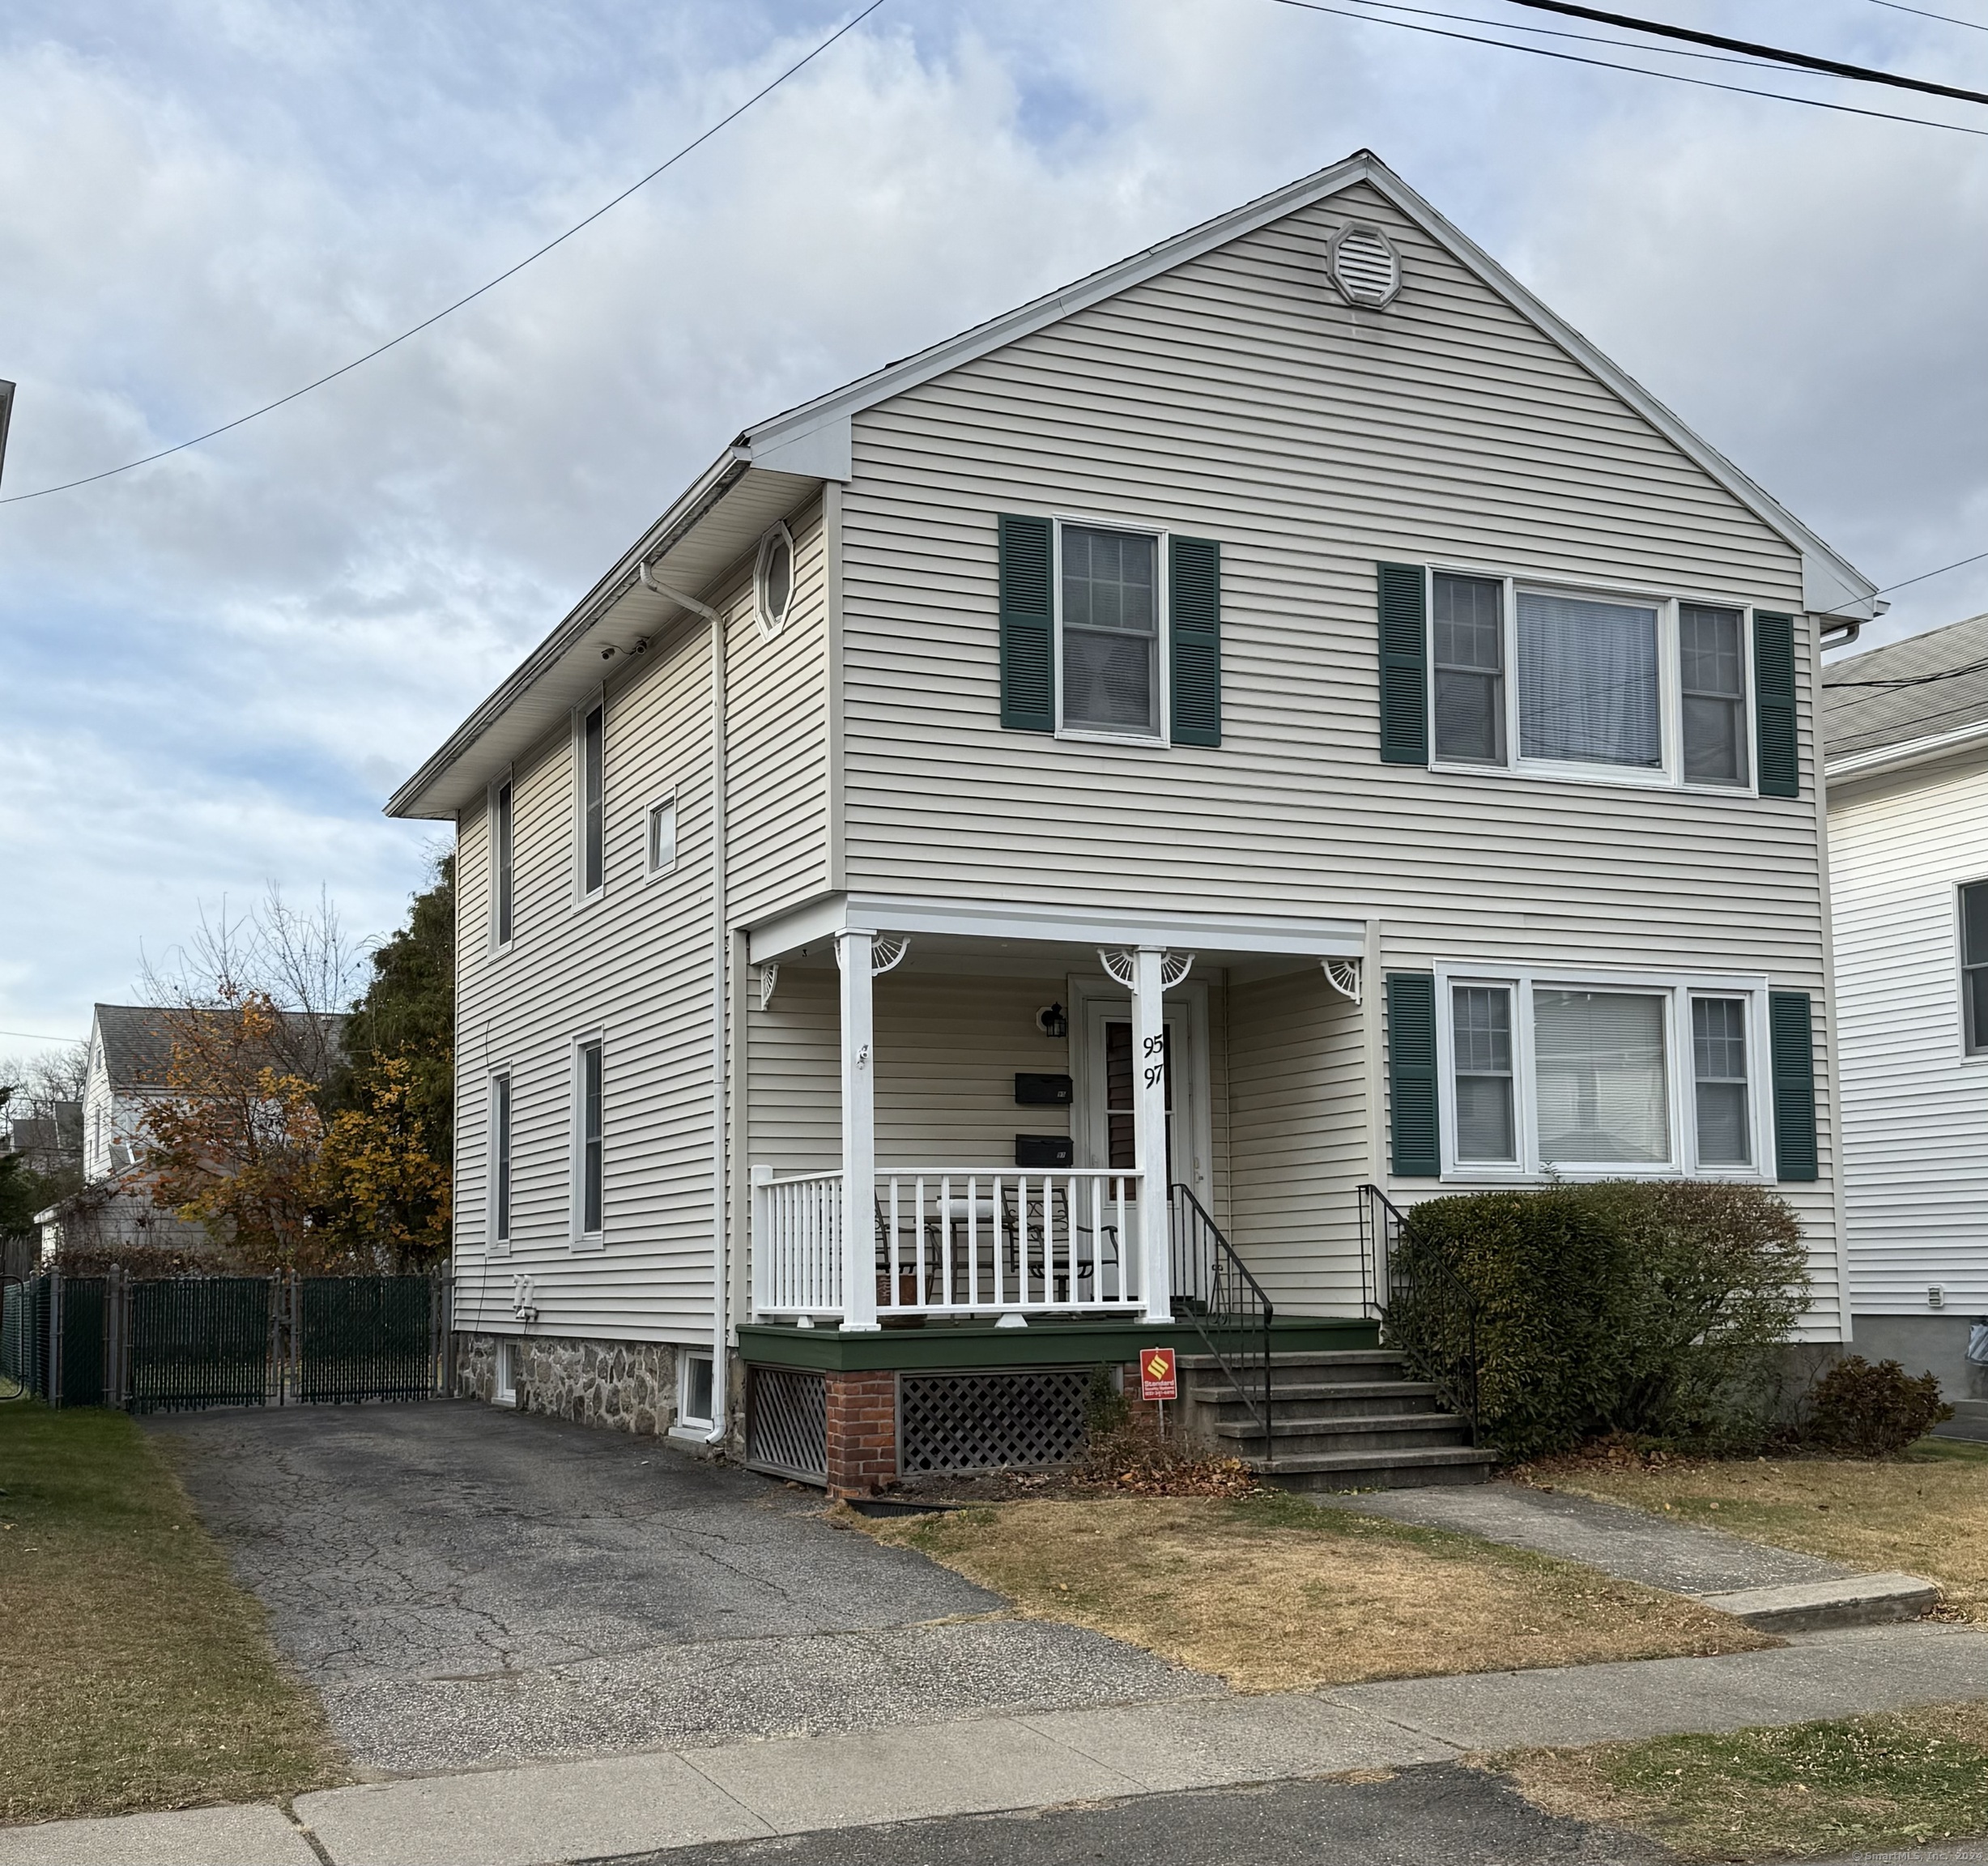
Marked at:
<point>721,945</point>
<point>1907,752</point>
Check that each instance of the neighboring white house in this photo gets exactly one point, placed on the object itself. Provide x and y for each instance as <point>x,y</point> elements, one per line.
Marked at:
<point>1907,728</point>
<point>128,1067</point>
<point>1279,714</point>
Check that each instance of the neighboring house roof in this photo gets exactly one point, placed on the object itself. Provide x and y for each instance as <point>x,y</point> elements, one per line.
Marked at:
<point>137,1039</point>
<point>60,1131</point>
<point>1869,728</point>
<point>773,464</point>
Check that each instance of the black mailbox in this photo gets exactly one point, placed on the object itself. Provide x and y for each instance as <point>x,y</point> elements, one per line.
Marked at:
<point>1044,1150</point>
<point>1034,1091</point>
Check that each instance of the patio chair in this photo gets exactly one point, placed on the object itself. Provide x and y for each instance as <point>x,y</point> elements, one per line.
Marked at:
<point>1023,1228</point>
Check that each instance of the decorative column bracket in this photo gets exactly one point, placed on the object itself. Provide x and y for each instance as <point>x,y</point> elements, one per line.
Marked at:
<point>1342,975</point>
<point>888,953</point>
<point>1120,968</point>
<point>769,979</point>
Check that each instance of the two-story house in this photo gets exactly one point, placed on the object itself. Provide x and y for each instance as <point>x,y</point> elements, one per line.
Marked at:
<point>1907,730</point>
<point>1028,835</point>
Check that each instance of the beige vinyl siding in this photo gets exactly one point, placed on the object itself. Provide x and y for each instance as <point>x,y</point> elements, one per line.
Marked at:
<point>634,964</point>
<point>1298,1140</point>
<point>1915,1106</point>
<point>778,752</point>
<point>1237,398</point>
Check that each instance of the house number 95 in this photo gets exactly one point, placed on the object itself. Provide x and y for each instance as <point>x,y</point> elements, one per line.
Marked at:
<point>1155,1046</point>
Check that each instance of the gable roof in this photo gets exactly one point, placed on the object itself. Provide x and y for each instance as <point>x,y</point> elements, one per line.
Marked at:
<point>137,1039</point>
<point>784,457</point>
<point>1870,728</point>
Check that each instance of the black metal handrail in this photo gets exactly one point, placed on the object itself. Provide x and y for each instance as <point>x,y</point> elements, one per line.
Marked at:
<point>1423,1306</point>
<point>1227,1306</point>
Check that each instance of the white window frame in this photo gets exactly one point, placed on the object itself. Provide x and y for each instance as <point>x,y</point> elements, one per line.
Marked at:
<point>504,1376</point>
<point>578,1239</point>
<point>1971,1059</point>
<point>506,779</point>
<point>1677,990</point>
<point>767,623</point>
<point>687,1421</point>
<point>1669,774</point>
<point>1163,672</point>
<point>583,895</point>
<point>499,1246</point>
<point>654,871</point>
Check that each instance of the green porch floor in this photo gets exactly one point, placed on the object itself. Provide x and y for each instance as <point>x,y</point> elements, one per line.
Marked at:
<point>1044,1343</point>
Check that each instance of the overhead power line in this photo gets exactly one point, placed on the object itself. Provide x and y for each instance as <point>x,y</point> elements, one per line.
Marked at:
<point>1640,71</point>
<point>1806,61</point>
<point>1944,19</point>
<point>468,297</point>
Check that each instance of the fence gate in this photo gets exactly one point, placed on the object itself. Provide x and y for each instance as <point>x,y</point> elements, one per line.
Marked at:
<point>181,1342</point>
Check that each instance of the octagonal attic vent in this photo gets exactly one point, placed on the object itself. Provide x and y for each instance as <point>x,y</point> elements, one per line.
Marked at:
<point>1364,266</point>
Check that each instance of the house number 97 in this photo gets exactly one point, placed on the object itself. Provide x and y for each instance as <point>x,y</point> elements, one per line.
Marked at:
<point>1155,1046</point>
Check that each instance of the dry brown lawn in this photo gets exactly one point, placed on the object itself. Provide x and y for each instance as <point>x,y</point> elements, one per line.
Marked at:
<point>134,1672</point>
<point>1926,1513</point>
<point>1272,1593</point>
<point>1887,1781</point>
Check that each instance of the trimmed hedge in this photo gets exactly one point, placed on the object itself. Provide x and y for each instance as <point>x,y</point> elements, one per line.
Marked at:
<point>1656,1308</point>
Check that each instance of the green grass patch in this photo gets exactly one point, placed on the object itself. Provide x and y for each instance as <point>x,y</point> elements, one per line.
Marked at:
<point>1899,1779</point>
<point>136,1672</point>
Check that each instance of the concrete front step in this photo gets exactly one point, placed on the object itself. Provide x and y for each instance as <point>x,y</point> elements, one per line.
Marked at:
<point>1384,1431</point>
<point>1322,1399</point>
<point>1809,1606</point>
<point>1405,1469</point>
<point>1322,1364</point>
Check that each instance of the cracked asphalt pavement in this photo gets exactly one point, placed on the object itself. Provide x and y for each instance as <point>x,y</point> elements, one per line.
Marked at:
<point>464,1586</point>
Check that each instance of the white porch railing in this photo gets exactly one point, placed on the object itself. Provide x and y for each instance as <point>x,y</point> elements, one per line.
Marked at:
<point>956,1240</point>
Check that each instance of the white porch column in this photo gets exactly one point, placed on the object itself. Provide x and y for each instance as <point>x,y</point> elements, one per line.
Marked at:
<point>853,955</point>
<point>1149,1129</point>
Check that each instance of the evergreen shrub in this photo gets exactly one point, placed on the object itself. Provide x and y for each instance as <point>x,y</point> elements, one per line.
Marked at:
<point>1652,1308</point>
<point>1873,1411</point>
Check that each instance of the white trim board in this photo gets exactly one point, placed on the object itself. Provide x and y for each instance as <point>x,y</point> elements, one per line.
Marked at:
<point>836,913</point>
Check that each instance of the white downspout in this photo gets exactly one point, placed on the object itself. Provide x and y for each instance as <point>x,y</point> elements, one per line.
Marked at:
<point>720,944</point>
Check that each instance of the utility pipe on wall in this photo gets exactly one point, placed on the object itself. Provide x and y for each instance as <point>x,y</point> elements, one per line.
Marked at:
<point>720,941</point>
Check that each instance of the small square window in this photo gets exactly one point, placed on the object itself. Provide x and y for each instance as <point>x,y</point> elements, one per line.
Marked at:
<point>694,1400</point>
<point>661,837</point>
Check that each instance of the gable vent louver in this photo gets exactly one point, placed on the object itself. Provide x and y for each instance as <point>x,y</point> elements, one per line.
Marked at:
<point>1364,265</point>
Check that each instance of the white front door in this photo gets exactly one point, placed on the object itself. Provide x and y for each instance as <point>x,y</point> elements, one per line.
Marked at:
<point>1105,1088</point>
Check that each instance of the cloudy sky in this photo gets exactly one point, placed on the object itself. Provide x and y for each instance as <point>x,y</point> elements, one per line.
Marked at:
<point>213,669</point>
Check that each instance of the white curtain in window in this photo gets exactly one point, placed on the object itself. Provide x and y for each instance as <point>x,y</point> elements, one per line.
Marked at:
<point>1587,681</point>
<point>1598,1064</point>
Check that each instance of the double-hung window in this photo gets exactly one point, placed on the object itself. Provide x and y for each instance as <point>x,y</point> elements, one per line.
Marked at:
<point>589,1155</point>
<point>1110,624</point>
<point>591,752</point>
<point>1576,684</point>
<point>500,1161</point>
<point>1974,967</point>
<point>503,866</point>
<point>1544,1073</point>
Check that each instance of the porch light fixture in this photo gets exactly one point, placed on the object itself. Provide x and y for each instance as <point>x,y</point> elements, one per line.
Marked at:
<point>1053,1021</point>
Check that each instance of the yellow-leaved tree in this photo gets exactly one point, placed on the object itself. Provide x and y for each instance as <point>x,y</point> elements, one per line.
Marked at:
<point>380,1189</point>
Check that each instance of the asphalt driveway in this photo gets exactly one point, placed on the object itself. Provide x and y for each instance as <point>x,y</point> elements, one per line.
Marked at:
<point>467,1586</point>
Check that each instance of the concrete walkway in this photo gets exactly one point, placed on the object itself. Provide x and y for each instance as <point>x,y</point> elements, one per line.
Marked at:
<point>1632,1544</point>
<point>543,1813</point>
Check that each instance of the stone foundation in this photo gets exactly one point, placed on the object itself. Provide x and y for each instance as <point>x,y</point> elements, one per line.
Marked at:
<point>626,1385</point>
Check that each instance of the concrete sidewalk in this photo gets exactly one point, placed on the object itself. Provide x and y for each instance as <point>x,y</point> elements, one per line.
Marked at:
<point>540,1813</point>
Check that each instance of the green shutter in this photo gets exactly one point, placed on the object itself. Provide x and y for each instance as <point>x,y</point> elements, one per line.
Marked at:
<point>1793,1040</point>
<point>1411,1074</point>
<point>1027,629</point>
<point>1195,630</point>
<point>1773,700</point>
<point>1404,665</point>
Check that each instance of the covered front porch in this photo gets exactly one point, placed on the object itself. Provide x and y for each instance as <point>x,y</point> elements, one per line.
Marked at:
<point>972,1114</point>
